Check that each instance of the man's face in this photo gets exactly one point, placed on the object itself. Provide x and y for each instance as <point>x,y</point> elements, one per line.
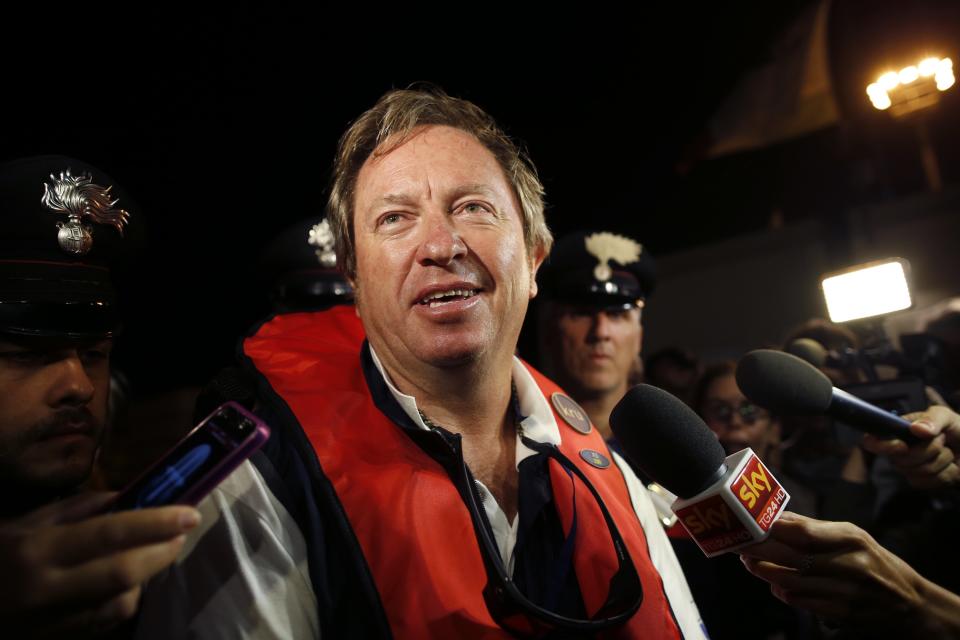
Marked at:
<point>736,421</point>
<point>599,348</point>
<point>53,402</point>
<point>443,275</point>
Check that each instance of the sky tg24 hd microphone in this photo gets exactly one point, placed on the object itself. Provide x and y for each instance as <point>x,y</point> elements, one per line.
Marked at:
<point>723,503</point>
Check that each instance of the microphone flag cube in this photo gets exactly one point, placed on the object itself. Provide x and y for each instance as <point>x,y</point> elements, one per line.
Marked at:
<point>735,511</point>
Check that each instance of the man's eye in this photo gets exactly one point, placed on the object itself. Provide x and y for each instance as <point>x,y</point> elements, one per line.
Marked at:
<point>475,207</point>
<point>390,218</point>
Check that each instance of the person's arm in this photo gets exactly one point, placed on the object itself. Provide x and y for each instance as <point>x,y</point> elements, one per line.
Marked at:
<point>68,572</point>
<point>838,571</point>
<point>931,463</point>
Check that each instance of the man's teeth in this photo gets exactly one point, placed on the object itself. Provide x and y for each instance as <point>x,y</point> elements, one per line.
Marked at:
<point>438,298</point>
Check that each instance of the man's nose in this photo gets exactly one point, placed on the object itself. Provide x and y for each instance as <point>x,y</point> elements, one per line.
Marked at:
<point>70,382</point>
<point>441,243</point>
<point>600,326</point>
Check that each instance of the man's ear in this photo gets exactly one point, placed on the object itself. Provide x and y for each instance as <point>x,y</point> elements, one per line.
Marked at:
<point>535,261</point>
<point>352,281</point>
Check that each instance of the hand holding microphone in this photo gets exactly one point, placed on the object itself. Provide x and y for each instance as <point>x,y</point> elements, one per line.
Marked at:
<point>922,446</point>
<point>931,463</point>
<point>838,571</point>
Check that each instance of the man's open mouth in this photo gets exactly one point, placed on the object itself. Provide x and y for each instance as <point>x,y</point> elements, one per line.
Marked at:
<point>443,297</point>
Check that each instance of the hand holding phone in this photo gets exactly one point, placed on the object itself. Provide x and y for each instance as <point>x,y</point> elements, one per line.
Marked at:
<point>69,570</point>
<point>199,462</point>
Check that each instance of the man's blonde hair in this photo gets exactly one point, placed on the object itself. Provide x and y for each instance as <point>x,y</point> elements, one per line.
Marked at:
<point>392,120</point>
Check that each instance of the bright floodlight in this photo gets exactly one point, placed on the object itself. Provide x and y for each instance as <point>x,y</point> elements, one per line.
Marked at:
<point>867,290</point>
<point>912,88</point>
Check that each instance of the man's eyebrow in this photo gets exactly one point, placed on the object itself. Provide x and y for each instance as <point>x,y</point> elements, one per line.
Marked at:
<point>395,198</point>
<point>406,199</point>
<point>478,188</point>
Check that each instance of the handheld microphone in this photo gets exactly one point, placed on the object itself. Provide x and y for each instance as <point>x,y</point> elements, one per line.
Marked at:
<point>724,503</point>
<point>785,384</point>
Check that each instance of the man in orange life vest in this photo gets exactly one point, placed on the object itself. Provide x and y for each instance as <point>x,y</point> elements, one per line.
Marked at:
<point>458,492</point>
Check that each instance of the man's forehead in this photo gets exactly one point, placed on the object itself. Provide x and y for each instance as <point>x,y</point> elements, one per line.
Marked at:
<point>396,172</point>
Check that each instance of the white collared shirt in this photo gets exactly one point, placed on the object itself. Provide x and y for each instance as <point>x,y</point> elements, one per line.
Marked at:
<point>539,425</point>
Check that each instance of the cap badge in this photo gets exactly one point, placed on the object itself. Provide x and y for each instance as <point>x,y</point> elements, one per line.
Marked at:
<point>321,237</point>
<point>595,458</point>
<point>572,413</point>
<point>81,200</point>
<point>606,246</point>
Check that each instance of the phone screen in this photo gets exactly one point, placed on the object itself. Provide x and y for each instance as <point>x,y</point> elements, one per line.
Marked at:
<point>196,464</point>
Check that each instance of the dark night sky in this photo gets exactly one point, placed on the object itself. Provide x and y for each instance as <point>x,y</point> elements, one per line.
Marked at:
<point>223,126</point>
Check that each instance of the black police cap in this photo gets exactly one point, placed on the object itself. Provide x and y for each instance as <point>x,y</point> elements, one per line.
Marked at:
<point>597,268</point>
<point>62,223</point>
<point>299,268</point>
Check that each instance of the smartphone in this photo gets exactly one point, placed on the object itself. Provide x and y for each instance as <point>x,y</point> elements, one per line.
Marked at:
<point>199,462</point>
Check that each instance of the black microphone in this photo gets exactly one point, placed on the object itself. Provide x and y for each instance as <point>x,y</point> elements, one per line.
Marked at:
<point>788,385</point>
<point>724,503</point>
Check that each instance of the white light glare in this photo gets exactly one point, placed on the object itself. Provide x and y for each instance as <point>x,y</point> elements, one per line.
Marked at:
<point>889,80</point>
<point>908,74</point>
<point>928,67</point>
<point>944,82</point>
<point>873,290</point>
<point>881,102</point>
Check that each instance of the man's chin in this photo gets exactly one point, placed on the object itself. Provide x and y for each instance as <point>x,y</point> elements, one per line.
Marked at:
<point>597,385</point>
<point>61,470</point>
<point>453,352</point>
<point>452,359</point>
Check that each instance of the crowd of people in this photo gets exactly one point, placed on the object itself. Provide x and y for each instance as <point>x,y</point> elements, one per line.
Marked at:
<point>441,462</point>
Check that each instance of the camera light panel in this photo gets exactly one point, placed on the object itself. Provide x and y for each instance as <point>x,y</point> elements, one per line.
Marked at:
<point>867,290</point>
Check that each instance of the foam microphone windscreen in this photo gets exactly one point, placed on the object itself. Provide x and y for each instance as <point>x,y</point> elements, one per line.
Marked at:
<point>783,383</point>
<point>667,440</point>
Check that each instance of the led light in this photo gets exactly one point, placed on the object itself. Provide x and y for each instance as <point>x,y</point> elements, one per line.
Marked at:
<point>946,64</point>
<point>908,74</point>
<point>928,67</point>
<point>945,82</point>
<point>889,80</point>
<point>875,90</point>
<point>867,290</point>
<point>881,102</point>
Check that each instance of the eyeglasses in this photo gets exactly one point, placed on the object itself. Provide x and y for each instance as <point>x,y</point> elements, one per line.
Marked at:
<point>717,411</point>
<point>506,602</point>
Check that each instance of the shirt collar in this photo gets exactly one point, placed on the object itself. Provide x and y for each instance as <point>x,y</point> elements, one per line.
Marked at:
<point>538,424</point>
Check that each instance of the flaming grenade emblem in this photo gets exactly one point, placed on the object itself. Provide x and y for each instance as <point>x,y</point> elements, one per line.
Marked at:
<point>321,237</point>
<point>80,199</point>
<point>606,246</point>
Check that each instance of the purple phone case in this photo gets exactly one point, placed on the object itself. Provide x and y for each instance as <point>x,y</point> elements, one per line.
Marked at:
<point>206,483</point>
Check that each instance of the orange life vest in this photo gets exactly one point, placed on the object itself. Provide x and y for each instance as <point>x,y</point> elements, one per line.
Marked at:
<point>415,531</point>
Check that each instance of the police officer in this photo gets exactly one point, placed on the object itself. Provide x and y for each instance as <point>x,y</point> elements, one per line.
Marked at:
<point>594,286</point>
<point>66,569</point>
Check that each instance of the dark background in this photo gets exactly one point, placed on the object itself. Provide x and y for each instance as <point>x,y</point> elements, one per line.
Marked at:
<point>223,126</point>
